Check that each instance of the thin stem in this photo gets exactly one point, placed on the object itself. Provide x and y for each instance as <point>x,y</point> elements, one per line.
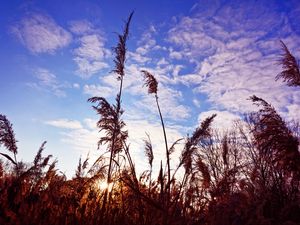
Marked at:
<point>106,194</point>
<point>17,165</point>
<point>149,189</point>
<point>165,136</point>
<point>114,132</point>
<point>167,149</point>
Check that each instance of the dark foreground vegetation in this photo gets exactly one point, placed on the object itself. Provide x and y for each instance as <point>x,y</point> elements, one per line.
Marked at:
<point>249,175</point>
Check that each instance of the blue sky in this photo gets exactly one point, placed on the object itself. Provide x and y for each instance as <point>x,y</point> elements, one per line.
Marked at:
<point>208,56</point>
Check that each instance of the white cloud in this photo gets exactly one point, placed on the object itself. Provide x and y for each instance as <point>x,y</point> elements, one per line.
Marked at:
<point>293,112</point>
<point>137,133</point>
<point>90,123</point>
<point>83,137</point>
<point>175,54</point>
<point>196,102</point>
<point>91,48</point>
<point>190,33</point>
<point>190,79</point>
<point>80,136</point>
<point>76,86</point>
<point>236,54</point>
<point>223,122</point>
<point>170,104</point>
<point>45,77</point>
<point>171,100</point>
<point>141,50</point>
<point>147,38</point>
<point>40,33</point>
<point>84,142</point>
<point>65,123</point>
<point>176,70</point>
<point>90,55</point>
<point>47,81</point>
<point>97,90</point>
<point>132,82</point>
<point>147,42</point>
<point>146,45</point>
<point>81,27</point>
<point>137,57</point>
<point>162,61</point>
<point>87,68</point>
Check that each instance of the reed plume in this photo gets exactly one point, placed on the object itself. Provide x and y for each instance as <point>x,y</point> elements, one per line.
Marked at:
<point>7,135</point>
<point>151,83</point>
<point>7,138</point>
<point>203,168</point>
<point>201,132</point>
<point>121,49</point>
<point>149,150</point>
<point>110,115</point>
<point>290,67</point>
<point>150,156</point>
<point>273,137</point>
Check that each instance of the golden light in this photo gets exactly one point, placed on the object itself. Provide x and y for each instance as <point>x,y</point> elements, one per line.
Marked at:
<point>103,185</point>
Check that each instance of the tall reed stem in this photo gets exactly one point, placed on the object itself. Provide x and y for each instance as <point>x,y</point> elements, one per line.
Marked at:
<point>167,202</point>
<point>166,145</point>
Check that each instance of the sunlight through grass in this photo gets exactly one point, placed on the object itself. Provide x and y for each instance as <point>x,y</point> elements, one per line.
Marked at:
<point>103,185</point>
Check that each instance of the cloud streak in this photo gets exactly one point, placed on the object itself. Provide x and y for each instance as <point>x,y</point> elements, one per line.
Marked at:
<point>235,48</point>
<point>91,54</point>
<point>47,81</point>
<point>97,90</point>
<point>65,123</point>
<point>83,137</point>
<point>41,34</point>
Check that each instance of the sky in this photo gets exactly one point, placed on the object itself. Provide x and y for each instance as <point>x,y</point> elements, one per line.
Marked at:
<point>208,57</point>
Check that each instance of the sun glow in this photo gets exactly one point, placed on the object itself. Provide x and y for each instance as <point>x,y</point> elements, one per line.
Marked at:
<point>103,185</point>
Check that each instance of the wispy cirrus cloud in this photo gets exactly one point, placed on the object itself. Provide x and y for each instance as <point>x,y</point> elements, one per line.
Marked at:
<point>175,54</point>
<point>47,81</point>
<point>147,41</point>
<point>76,86</point>
<point>197,103</point>
<point>80,27</point>
<point>137,134</point>
<point>80,135</point>
<point>91,53</point>
<point>91,48</point>
<point>65,123</point>
<point>137,57</point>
<point>224,120</point>
<point>170,101</point>
<point>83,137</point>
<point>133,84</point>
<point>40,33</point>
<point>145,46</point>
<point>97,90</point>
<point>235,49</point>
<point>87,68</point>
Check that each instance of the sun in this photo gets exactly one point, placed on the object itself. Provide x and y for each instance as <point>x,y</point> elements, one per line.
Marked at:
<point>103,185</point>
